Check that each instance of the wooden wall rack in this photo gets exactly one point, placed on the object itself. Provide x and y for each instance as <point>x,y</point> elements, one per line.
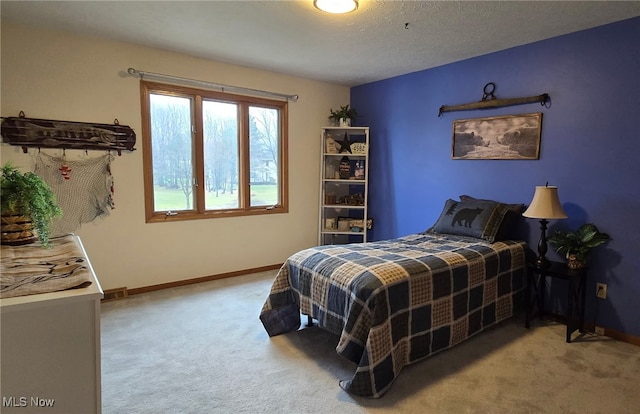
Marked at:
<point>47,133</point>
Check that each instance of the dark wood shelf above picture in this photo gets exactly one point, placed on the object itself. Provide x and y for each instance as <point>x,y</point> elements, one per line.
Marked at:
<point>489,100</point>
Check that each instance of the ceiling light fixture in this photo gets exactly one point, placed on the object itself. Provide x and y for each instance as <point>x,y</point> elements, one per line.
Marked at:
<point>336,6</point>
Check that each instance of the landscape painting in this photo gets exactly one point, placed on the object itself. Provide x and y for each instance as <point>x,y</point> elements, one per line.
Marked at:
<point>509,137</point>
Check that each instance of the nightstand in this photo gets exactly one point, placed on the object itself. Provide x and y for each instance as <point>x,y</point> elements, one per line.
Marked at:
<point>575,302</point>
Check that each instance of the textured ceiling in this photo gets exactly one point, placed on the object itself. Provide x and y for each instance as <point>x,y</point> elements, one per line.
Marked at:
<point>381,39</point>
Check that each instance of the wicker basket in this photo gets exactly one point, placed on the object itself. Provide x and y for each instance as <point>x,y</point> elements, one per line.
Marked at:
<point>574,263</point>
<point>17,229</point>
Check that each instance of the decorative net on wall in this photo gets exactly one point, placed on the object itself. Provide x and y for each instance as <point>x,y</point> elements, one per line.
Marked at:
<point>83,188</point>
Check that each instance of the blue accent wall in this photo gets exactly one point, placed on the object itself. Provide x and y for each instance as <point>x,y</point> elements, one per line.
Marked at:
<point>590,148</point>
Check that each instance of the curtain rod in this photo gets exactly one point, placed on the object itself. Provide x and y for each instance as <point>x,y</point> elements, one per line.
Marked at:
<point>222,87</point>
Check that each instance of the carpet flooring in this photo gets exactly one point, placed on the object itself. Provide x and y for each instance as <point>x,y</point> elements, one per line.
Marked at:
<point>202,349</point>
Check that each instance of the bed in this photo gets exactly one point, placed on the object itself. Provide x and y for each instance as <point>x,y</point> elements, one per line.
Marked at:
<point>395,302</point>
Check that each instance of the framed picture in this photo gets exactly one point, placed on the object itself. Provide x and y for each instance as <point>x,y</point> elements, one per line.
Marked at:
<point>509,137</point>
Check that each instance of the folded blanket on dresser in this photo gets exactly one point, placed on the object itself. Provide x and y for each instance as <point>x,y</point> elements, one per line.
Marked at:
<point>32,269</point>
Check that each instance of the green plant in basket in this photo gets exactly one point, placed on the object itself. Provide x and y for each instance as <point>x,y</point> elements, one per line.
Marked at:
<point>25,197</point>
<point>577,245</point>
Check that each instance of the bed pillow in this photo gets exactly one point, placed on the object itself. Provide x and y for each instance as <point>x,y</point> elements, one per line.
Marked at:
<point>510,224</point>
<point>474,218</point>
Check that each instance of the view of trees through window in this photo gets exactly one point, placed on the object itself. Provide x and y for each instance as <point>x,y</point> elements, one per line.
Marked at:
<point>220,154</point>
<point>263,148</point>
<point>173,173</point>
<point>239,164</point>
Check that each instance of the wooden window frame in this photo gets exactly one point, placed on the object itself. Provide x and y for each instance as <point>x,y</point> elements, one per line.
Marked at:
<point>199,211</point>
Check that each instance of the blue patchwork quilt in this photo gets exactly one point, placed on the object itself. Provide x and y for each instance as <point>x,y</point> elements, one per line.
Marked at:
<point>397,301</point>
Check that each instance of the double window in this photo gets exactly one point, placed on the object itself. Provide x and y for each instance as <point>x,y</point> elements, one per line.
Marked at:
<point>210,154</point>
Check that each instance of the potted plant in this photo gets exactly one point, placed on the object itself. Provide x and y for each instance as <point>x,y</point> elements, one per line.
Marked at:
<point>576,245</point>
<point>343,116</point>
<point>26,204</point>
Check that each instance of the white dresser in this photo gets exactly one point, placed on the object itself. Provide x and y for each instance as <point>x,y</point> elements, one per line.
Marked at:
<point>50,350</point>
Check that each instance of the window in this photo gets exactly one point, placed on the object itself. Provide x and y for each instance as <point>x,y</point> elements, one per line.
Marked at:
<point>211,154</point>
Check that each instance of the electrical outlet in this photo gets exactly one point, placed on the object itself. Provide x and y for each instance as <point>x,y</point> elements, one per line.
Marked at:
<point>601,290</point>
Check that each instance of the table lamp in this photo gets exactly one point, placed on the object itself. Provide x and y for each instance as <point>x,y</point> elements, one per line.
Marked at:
<point>544,206</point>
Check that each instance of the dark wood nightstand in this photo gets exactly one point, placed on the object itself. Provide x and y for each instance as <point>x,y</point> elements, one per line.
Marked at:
<point>576,290</point>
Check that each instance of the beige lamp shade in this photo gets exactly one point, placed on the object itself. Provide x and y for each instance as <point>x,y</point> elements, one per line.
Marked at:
<point>545,204</point>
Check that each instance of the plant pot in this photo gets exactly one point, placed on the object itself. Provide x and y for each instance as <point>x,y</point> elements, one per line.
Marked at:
<point>574,263</point>
<point>17,230</point>
<point>345,122</point>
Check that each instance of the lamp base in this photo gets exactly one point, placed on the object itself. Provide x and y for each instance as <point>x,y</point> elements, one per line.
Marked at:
<point>542,262</point>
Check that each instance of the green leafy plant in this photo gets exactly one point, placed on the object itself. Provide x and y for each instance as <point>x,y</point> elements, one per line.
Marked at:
<point>344,112</point>
<point>27,194</point>
<point>579,242</point>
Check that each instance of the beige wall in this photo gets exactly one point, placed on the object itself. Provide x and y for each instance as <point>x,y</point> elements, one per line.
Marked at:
<point>61,76</point>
